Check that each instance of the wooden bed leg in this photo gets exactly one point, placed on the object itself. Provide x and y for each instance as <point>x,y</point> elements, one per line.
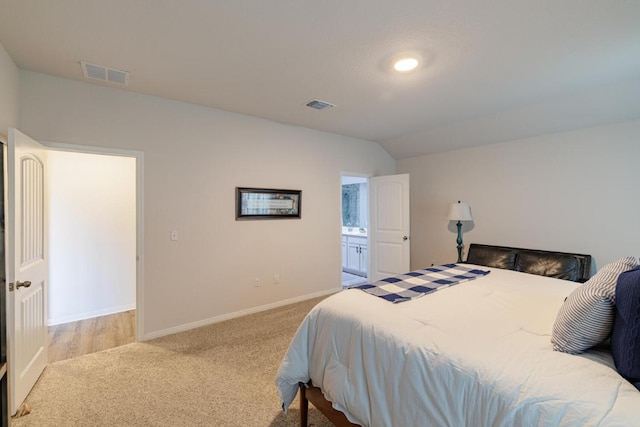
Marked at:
<point>304,405</point>
<point>309,393</point>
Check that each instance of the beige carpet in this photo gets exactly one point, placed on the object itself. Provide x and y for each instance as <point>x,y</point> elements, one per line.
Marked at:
<point>218,375</point>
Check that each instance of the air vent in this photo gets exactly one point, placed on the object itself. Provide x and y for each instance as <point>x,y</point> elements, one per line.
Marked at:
<point>105,74</point>
<point>319,105</point>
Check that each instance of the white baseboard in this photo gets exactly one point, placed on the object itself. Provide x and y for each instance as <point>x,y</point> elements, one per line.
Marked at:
<point>216,319</point>
<point>90,314</point>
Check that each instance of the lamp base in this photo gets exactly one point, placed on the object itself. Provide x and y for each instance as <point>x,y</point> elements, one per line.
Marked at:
<point>459,241</point>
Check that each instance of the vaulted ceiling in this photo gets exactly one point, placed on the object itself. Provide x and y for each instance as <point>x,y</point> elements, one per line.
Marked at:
<point>480,60</point>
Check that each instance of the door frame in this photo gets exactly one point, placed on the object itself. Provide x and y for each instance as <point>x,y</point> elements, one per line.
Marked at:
<point>368,178</point>
<point>4,362</point>
<point>139,157</point>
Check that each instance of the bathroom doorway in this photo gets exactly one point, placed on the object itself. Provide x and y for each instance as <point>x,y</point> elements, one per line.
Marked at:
<point>355,236</point>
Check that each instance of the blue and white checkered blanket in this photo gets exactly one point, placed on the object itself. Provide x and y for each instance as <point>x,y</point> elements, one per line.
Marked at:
<point>421,282</point>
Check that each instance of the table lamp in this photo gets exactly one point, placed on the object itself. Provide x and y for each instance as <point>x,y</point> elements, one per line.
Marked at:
<point>460,212</point>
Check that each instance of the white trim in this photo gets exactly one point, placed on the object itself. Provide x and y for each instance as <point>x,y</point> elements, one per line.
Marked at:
<point>140,245</point>
<point>234,315</point>
<point>91,314</point>
<point>90,149</point>
<point>139,156</point>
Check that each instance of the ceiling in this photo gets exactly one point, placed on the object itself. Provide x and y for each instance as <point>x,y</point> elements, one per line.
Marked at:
<point>479,58</point>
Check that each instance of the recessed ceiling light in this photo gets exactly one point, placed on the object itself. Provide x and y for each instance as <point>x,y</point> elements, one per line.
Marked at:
<point>404,65</point>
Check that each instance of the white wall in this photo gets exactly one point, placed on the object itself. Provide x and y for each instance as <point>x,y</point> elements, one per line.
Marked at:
<point>8,92</point>
<point>92,235</point>
<point>194,157</point>
<point>613,103</point>
<point>572,191</point>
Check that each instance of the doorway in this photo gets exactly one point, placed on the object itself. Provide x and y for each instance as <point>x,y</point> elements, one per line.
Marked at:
<point>27,309</point>
<point>92,292</point>
<point>354,230</point>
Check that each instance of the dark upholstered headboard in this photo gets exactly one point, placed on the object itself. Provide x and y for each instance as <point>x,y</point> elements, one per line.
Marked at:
<point>561,265</point>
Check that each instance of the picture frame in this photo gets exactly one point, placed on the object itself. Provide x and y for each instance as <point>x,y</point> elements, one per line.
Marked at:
<point>267,203</point>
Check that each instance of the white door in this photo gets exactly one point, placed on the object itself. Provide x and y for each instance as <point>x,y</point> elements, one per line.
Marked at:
<point>27,264</point>
<point>389,246</point>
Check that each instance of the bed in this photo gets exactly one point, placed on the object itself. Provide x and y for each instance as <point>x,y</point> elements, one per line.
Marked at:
<point>474,354</point>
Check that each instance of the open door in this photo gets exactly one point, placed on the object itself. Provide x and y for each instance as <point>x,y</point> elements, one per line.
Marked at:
<point>27,264</point>
<point>390,250</point>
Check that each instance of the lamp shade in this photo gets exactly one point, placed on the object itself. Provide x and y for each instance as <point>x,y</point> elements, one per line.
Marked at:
<point>460,212</point>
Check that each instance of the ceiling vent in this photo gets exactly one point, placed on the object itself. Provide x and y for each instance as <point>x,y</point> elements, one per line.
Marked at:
<point>319,105</point>
<point>105,74</point>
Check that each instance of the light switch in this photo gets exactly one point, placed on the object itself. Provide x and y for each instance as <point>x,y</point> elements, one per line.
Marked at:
<point>174,235</point>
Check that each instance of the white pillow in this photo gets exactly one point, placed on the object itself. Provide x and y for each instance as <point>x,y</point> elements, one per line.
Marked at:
<point>586,317</point>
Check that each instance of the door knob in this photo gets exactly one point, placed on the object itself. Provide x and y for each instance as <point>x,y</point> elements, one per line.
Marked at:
<point>24,284</point>
<point>405,238</point>
<point>19,284</point>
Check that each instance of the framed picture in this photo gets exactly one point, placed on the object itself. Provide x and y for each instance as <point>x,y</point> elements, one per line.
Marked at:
<point>266,203</point>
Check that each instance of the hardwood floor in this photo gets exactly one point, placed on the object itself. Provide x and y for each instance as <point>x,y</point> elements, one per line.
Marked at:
<point>74,339</point>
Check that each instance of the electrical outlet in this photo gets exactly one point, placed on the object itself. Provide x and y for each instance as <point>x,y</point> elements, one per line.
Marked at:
<point>276,279</point>
<point>256,282</point>
<point>174,235</point>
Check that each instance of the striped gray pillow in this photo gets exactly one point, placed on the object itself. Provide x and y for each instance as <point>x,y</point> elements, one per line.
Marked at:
<point>586,317</point>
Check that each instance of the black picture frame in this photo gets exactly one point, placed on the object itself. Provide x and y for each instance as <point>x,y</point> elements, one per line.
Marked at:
<point>268,203</point>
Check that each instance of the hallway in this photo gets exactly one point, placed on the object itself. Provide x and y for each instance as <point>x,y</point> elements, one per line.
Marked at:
<point>73,339</point>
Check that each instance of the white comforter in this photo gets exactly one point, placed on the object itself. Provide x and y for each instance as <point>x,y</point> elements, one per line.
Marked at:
<point>476,354</point>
